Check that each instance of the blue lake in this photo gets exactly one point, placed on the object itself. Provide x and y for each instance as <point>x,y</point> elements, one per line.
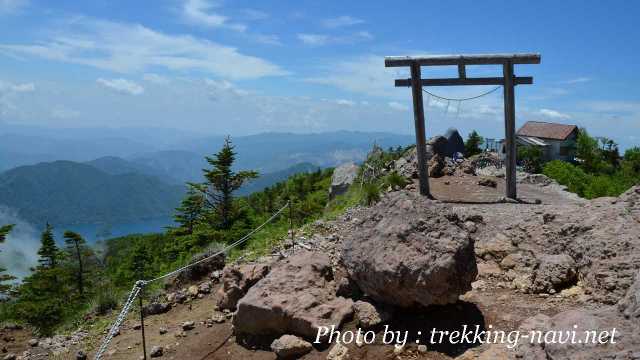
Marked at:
<point>95,232</point>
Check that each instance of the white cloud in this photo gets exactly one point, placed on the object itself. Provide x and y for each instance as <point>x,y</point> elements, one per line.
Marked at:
<point>578,80</point>
<point>341,21</point>
<point>323,39</point>
<point>122,86</point>
<point>313,39</point>
<point>345,102</point>
<point>254,15</point>
<point>200,12</point>
<point>553,114</point>
<point>61,112</point>
<point>12,6</point>
<point>365,75</point>
<point>19,252</point>
<point>266,39</point>
<point>224,86</point>
<point>156,79</point>
<point>9,92</point>
<point>398,106</point>
<point>614,106</point>
<point>7,87</point>
<point>131,48</point>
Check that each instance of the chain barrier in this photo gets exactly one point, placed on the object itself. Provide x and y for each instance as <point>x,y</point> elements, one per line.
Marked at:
<point>140,284</point>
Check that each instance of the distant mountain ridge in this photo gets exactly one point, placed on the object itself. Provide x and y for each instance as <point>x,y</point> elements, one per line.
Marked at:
<point>266,180</point>
<point>132,185</point>
<point>66,192</point>
<point>182,157</point>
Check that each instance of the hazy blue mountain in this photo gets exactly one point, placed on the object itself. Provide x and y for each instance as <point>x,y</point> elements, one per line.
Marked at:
<point>114,165</point>
<point>178,155</point>
<point>65,192</point>
<point>268,179</point>
<point>27,149</point>
<point>269,152</point>
<point>173,165</point>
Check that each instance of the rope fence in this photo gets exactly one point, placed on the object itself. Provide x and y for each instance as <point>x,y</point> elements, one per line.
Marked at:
<point>140,284</point>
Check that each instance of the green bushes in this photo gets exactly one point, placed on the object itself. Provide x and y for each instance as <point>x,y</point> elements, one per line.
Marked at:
<point>104,301</point>
<point>587,185</point>
<point>571,176</point>
<point>599,171</point>
<point>395,180</point>
<point>371,194</point>
<point>531,158</point>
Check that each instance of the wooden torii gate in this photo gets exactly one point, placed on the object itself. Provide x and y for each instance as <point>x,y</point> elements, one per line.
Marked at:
<point>508,81</point>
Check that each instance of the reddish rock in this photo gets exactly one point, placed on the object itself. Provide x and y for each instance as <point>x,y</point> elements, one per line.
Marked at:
<point>296,297</point>
<point>236,280</point>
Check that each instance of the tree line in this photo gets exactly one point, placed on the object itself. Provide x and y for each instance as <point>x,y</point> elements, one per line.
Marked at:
<point>71,284</point>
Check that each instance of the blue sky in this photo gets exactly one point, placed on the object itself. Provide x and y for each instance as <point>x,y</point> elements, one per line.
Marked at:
<point>243,67</point>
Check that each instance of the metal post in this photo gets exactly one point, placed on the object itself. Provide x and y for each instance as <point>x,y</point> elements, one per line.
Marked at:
<point>144,342</point>
<point>418,116</point>
<point>291,221</point>
<point>510,130</point>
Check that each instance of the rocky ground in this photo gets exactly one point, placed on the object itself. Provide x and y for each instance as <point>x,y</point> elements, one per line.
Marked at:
<point>468,257</point>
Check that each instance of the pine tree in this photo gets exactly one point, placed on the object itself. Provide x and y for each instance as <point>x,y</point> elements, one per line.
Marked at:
<point>4,288</point>
<point>140,262</point>
<point>42,296</point>
<point>472,145</point>
<point>190,210</point>
<point>588,151</point>
<point>48,250</point>
<point>4,231</point>
<point>221,182</point>
<point>76,246</point>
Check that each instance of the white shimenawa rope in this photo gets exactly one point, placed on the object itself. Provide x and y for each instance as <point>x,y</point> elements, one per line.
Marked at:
<point>142,283</point>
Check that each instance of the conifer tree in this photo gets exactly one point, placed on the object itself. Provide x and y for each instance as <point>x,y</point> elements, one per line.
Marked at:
<point>140,262</point>
<point>221,182</point>
<point>48,250</point>
<point>76,246</point>
<point>4,288</point>
<point>190,210</point>
<point>4,231</point>
<point>472,145</point>
<point>42,295</point>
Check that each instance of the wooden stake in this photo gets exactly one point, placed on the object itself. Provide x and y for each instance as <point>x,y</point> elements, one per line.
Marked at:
<point>510,130</point>
<point>291,220</point>
<point>418,116</point>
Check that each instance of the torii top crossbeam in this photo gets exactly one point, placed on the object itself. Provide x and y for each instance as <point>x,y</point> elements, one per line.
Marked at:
<point>476,59</point>
<point>508,81</point>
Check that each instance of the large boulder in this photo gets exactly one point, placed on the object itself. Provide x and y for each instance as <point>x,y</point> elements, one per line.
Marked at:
<point>436,166</point>
<point>554,272</point>
<point>296,297</point>
<point>236,280</point>
<point>407,165</point>
<point>202,269</point>
<point>156,308</point>
<point>573,320</point>
<point>437,145</point>
<point>630,304</point>
<point>343,176</point>
<point>542,346</point>
<point>410,251</point>
<point>455,144</point>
